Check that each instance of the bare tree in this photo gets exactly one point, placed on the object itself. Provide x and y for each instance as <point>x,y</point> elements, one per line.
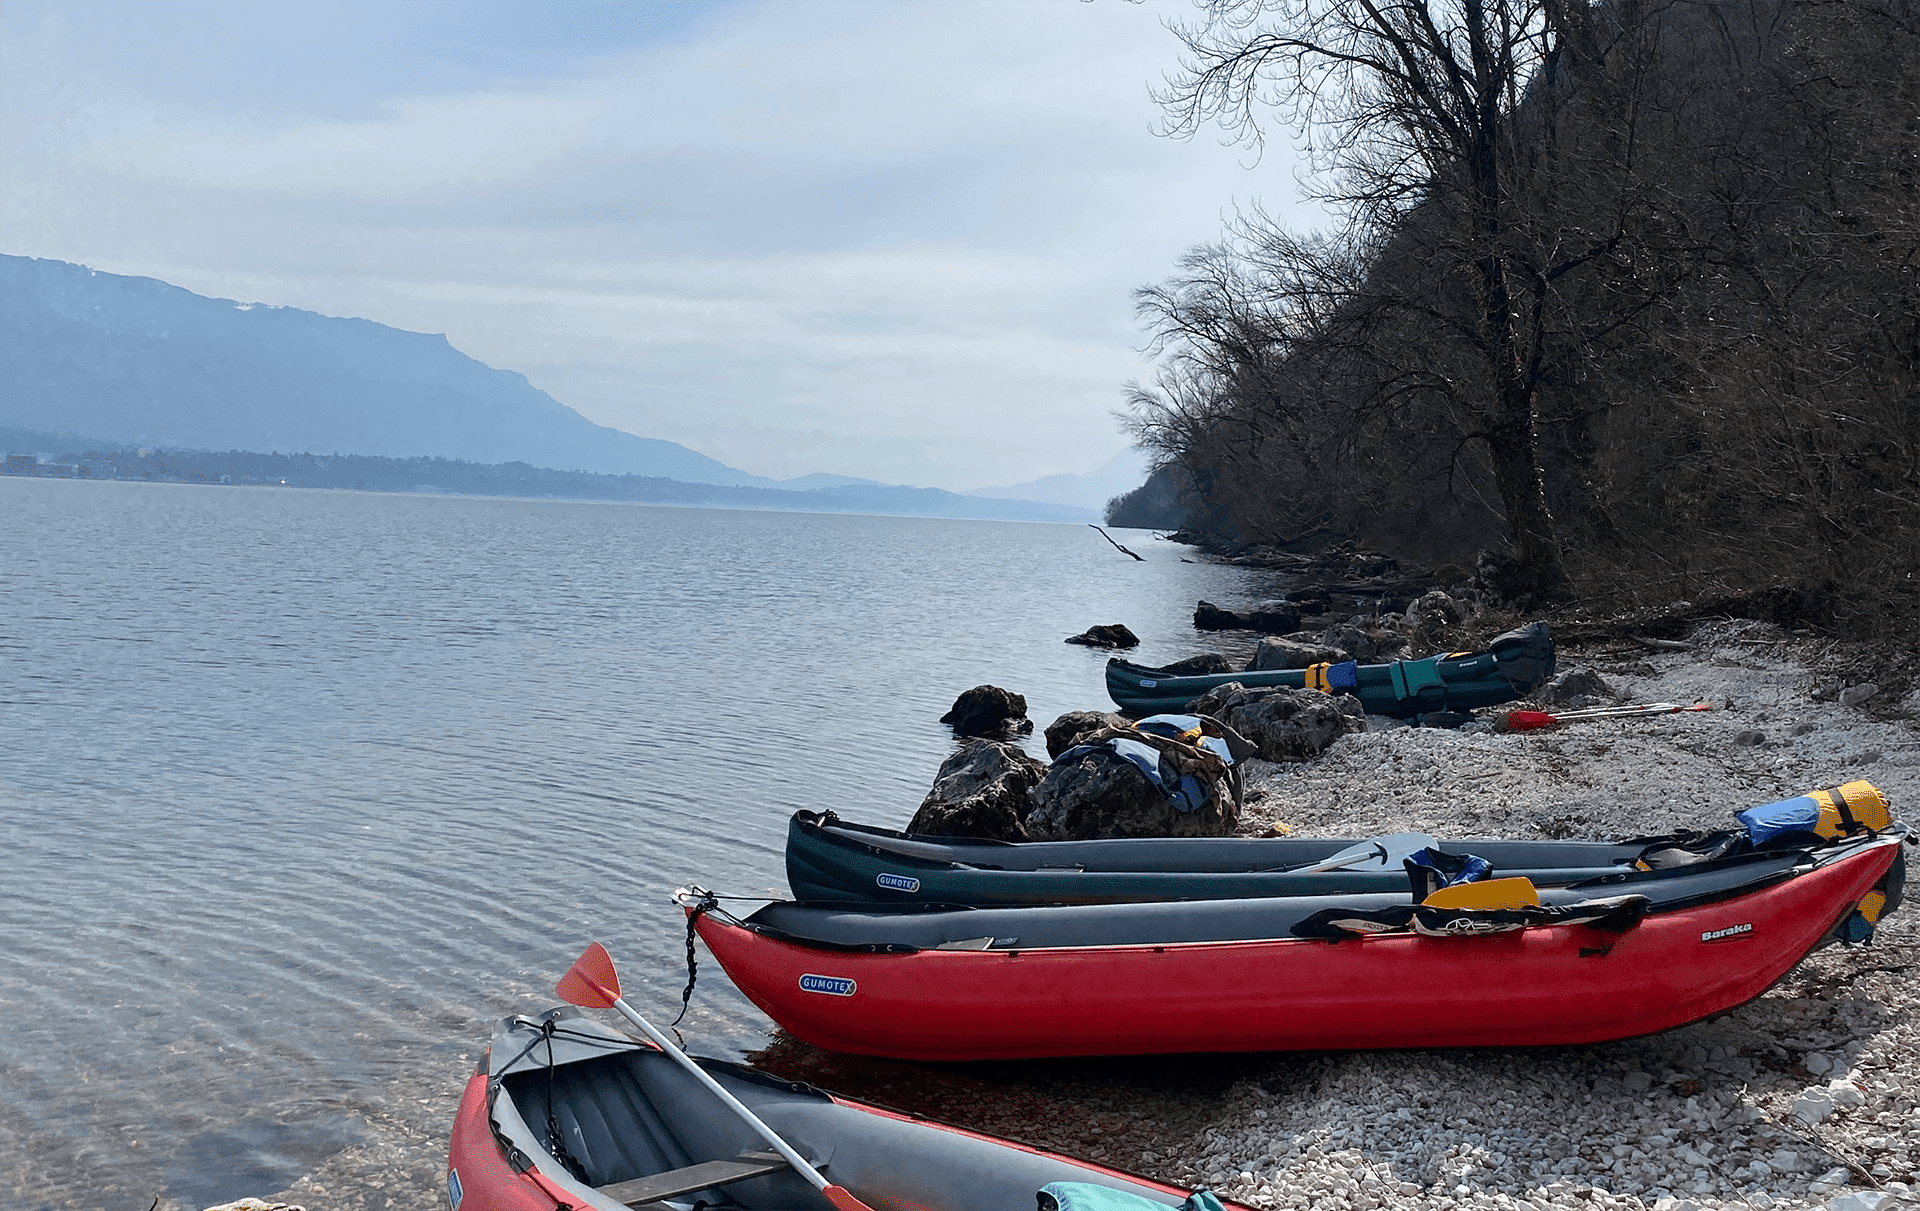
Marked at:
<point>1412,103</point>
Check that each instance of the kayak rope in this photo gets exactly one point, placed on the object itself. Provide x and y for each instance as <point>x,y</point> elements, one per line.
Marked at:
<point>555,1144</point>
<point>686,994</point>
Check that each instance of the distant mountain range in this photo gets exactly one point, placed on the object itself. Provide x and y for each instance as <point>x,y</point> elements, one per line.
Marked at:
<point>122,360</point>
<point>1119,475</point>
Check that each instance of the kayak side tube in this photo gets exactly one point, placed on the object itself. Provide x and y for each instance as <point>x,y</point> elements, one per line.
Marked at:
<point>987,997</point>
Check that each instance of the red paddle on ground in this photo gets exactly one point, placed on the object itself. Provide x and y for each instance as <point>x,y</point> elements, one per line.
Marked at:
<point>592,983</point>
<point>1533,721</point>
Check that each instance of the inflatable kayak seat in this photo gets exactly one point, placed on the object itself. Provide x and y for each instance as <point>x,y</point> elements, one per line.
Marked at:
<point>707,1175</point>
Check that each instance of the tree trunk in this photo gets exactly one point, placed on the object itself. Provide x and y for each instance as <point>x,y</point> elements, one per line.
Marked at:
<point>1509,422</point>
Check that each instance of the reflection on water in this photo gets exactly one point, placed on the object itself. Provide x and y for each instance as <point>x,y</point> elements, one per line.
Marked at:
<point>299,789</point>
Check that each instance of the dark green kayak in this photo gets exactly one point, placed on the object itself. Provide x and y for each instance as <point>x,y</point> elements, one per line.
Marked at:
<point>1511,668</point>
<point>829,859</point>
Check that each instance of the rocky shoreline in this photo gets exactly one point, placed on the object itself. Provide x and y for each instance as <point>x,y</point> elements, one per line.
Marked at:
<point>1808,1097</point>
<point>1805,1097</point>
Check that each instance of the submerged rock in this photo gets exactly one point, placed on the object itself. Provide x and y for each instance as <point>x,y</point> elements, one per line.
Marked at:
<point>980,791</point>
<point>1108,635</point>
<point>988,711</point>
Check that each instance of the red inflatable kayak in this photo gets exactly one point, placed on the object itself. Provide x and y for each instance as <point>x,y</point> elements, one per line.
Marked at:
<point>1622,956</point>
<point>566,1114</point>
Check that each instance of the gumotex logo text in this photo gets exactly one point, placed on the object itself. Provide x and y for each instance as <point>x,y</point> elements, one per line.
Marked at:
<point>898,882</point>
<point>838,986</point>
<point>1727,934</point>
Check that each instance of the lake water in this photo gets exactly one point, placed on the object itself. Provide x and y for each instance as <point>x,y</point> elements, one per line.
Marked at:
<point>300,789</point>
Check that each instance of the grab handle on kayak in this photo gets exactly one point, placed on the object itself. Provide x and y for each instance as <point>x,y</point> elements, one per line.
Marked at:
<point>592,983</point>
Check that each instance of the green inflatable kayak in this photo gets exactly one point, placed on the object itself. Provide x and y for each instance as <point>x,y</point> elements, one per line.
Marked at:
<point>1511,668</point>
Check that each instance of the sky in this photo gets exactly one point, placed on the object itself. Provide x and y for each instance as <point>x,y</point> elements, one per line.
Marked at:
<point>883,239</point>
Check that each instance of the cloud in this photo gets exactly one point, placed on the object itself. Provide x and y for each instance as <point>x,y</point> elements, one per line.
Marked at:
<point>884,240</point>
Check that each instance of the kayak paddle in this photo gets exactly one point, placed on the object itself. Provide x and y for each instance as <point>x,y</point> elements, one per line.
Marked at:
<point>592,983</point>
<point>1389,851</point>
<point>1533,721</point>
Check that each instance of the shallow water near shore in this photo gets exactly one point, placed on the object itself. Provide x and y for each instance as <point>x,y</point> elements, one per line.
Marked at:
<point>300,789</point>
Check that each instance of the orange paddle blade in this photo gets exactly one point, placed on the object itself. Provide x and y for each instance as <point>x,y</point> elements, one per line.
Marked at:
<point>591,982</point>
<point>842,1199</point>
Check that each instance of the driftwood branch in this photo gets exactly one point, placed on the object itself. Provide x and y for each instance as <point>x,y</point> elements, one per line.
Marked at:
<point>1117,546</point>
<point>1661,645</point>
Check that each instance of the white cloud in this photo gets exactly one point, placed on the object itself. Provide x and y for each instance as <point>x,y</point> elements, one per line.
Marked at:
<point>884,240</point>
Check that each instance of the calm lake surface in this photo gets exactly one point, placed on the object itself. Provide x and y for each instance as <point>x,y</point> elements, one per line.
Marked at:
<point>299,790</point>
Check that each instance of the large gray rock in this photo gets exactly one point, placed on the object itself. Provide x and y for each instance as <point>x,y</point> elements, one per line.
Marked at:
<point>1068,730</point>
<point>1283,724</point>
<point>1199,666</point>
<point>980,791</point>
<point>1434,612</point>
<point>1100,794</point>
<point>1273,617</point>
<point>1354,640</point>
<point>1287,654</point>
<point>1580,686</point>
<point>988,711</point>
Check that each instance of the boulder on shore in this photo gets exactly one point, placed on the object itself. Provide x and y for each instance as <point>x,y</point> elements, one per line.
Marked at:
<point>1099,794</point>
<point>1204,664</point>
<point>988,711</point>
<point>1273,618</point>
<point>1362,643</point>
<point>1432,613</point>
<point>1284,724</point>
<point>1108,635</point>
<point>1578,687</point>
<point>1283,653</point>
<point>980,791</point>
<point>1068,730</point>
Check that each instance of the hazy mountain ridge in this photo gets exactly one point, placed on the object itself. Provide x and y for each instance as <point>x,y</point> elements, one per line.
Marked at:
<point>136,359</point>
<point>108,363</point>
<point>1116,477</point>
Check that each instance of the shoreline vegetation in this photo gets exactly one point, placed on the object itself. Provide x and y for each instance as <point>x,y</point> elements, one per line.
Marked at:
<point>1617,309</point>
<point>454,477</point>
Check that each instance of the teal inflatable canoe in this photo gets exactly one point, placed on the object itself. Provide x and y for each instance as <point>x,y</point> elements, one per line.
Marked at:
<point>1511,668</point>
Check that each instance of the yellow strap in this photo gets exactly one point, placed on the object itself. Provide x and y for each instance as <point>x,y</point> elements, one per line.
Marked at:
<point>1516,892</point>
<point>1872,905</point>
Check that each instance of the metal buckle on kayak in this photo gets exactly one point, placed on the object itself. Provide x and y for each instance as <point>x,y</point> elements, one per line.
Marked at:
<point>695,896</point>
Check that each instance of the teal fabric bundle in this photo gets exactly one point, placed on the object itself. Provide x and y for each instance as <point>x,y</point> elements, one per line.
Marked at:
<point>1080,1196</point>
